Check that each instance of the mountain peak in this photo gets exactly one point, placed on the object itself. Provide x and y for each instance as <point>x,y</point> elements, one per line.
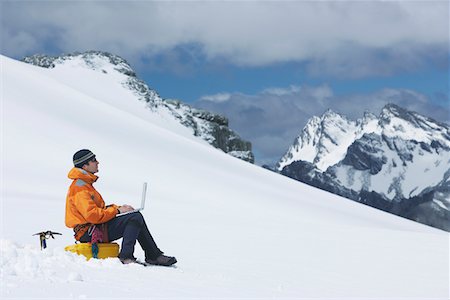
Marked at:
<point>331,114</point>
<point>325,140</point>
<point>101,62</point>
<point>329,111</point>
<point>392,110</point>
<point>409,125</point>
<point>393,107</point>
<point>320,142</point>
<point>92,59</point>
<point>369,116</point>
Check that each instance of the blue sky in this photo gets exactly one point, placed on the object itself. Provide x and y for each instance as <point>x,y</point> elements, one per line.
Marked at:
<point>207,80</point>
<point>273,64</point>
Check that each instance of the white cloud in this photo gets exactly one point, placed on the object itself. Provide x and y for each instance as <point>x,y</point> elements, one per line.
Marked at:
<point>217,98</point>
<point>333,36</point>
<point>282,91</point>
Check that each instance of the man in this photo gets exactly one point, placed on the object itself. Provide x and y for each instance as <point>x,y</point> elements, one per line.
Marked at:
<point>92,220</point>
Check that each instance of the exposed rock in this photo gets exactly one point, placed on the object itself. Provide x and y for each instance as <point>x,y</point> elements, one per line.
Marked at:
<point>364,154</point>
<point>213,128</point>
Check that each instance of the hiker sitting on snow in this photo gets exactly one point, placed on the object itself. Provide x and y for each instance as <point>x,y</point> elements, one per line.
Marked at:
<point>92,221</point>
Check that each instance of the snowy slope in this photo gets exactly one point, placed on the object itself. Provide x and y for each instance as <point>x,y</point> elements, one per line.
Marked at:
<point>237,230</point>
<point>111,79</point>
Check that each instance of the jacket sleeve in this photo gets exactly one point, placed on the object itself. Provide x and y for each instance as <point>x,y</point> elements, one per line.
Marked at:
<point>90,211</point>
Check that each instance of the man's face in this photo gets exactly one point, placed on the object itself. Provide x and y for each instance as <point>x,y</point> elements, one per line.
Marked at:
<point>92,166</point>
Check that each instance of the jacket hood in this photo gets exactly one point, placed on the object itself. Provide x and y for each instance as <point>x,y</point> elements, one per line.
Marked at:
<point>77,173</point>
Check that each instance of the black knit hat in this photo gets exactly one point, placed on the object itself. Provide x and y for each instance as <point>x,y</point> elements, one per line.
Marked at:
<point>82,157</point>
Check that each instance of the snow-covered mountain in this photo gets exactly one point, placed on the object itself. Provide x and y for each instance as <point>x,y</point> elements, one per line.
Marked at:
<point>237,230</point>
<point>324,141</point>
<point>210,127</point>
<point>393,162</point>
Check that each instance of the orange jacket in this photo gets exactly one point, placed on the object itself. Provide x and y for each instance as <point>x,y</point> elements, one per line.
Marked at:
<point>83,203</point>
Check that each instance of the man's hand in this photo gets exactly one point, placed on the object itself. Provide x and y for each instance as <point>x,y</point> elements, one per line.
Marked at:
<point>125,208</point>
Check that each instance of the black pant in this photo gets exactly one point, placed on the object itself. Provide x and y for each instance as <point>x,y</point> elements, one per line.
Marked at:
<point>131,227</point>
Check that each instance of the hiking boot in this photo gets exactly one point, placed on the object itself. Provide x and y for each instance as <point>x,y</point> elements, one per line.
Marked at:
<point>127,261</point>
<point>162,260</point>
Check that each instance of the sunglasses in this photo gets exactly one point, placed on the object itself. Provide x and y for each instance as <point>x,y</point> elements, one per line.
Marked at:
<point>93,159</point>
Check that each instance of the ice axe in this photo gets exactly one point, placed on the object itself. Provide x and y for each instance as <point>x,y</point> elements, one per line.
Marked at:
<point>46,235</point>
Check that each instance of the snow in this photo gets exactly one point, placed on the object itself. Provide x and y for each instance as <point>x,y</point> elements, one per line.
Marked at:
<point>385,182</point>
<point>426,131</point>
<point>324,141</point>
<point>112,94</point>
<point>319,149</point>
<point>440,203</point>
<point>237,230</point>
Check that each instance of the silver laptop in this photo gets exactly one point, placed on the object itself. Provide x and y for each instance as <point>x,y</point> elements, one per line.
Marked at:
<point>144,192</point>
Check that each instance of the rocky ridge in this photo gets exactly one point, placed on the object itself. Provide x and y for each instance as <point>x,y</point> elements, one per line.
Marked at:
<point>210,127</point>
